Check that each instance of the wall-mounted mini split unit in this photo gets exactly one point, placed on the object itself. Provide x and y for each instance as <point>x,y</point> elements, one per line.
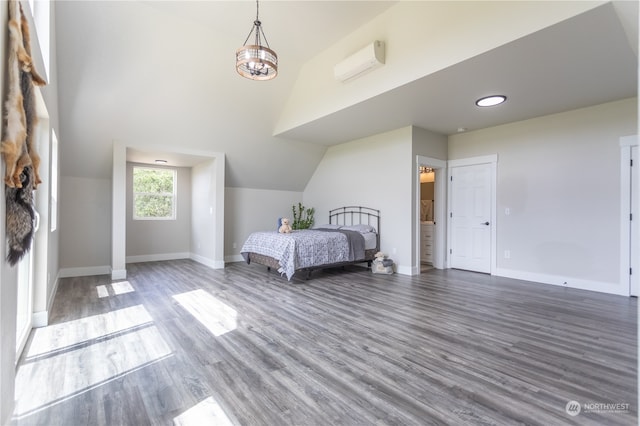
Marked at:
<point>364,60</point>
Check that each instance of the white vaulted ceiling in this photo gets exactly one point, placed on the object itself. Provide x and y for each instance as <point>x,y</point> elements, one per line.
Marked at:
<point>162,73</point>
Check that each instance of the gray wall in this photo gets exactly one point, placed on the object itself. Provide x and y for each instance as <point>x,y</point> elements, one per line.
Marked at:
<point>249,210</point>
<point>157,239</point>
<point>559,176</point>
<point>373,172</point>
<point>85,224</point>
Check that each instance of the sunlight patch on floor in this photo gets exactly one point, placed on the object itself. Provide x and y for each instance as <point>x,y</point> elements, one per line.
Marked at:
<point>51,380</point>
<point>122,287</point>
<point>102,291</point>
<point>119,287</point>
<point>207,412</point>
<point>57,337</point>
<point>218,317</point>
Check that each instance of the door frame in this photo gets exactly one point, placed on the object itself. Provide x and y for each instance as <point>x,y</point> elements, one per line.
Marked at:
<point>439,213</point>
<point>492,160</point>
<point>626,142</point>
<point>25,279</point>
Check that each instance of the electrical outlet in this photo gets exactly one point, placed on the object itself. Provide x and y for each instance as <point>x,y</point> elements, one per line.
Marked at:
<point>507,254</point>
<point>235,245</point>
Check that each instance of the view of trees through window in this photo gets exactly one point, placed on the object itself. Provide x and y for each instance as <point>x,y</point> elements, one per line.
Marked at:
<point>154,193</point>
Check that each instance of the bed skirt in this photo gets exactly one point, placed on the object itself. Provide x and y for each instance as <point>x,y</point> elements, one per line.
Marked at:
<point>270,262</point>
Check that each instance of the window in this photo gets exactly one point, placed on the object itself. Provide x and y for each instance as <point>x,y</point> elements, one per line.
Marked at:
<point>41,13</point>
<point>54,181</point>
<point>154,194</point>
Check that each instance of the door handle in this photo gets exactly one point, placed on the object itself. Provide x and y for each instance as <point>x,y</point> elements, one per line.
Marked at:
<point>485,223</point>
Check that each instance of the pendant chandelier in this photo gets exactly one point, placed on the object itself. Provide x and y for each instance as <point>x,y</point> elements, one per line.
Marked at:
<point>256,61</point>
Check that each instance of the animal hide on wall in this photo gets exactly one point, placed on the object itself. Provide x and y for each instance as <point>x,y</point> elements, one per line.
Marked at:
<point>18,146</point>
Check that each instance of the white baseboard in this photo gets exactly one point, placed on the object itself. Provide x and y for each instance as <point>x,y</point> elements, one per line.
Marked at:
<point>84,271</point>
<point>571,282</point>
<point>118,274</point>
<point>234,258</point>
<point>157,257</point>
<point>40,319</point>
<point>213,264</point>
<point>405,270</point>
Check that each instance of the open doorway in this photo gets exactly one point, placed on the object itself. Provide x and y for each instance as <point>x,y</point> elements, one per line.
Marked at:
<point>205,212</point>
<point>430,213</point>
<point>427,222</point>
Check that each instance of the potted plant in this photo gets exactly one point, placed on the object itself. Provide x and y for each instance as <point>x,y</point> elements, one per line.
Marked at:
<point>302,217</point>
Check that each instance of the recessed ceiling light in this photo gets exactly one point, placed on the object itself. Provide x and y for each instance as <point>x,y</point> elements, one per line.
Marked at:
<point>492,100</point>
<point>462,129</point>
<point>161,161</point>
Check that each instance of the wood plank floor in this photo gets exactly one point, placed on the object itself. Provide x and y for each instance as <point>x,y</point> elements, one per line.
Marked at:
<point>179,343</point>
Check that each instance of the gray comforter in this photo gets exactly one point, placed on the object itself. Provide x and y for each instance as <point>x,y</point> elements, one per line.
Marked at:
<point>306,248</point>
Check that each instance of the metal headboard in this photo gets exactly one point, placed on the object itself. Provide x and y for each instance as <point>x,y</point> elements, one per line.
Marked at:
<point>356,215</point>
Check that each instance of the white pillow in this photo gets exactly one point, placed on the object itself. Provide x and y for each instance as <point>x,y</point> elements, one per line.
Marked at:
<point>362,228</point>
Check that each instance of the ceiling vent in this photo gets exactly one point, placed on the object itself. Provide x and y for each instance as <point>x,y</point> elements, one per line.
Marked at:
<point>364,60</point>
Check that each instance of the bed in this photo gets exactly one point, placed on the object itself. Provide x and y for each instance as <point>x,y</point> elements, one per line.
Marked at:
<point>352,236</point>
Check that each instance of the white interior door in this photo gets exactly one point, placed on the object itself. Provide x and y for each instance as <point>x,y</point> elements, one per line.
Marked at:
<point>470,217</point>
<point>635,232</point>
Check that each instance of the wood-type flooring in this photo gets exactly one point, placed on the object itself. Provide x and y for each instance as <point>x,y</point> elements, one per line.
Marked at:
<point>180,343</point>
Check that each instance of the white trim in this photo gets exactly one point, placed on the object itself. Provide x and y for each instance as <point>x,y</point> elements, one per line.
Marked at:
<point>570,282</point>
<point>157,257</point>
<point>405,270</point>
<point>119,210</point>
<point>491,159</point>
<point>213,264</point>
<point>234,258</point>
<point>626,142</point>
<point>118,274</point>
<point>84,271</point>
<point>472,161</point>
<point>440,213</point>
<point>631,140</point>
<point>40,319</point>
<point>118,202</point>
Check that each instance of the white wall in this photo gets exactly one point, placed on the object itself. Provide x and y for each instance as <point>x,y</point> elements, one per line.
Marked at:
<point>207,212</point>
<point>422,37</point>
<point>559,176</point>
<point>373,172</point>
<point>249,210</point>
<point>160,239</point>
<point>85,226</point>
<point>8,276</point>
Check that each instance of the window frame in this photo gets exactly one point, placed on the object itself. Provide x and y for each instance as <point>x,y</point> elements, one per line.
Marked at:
<point>173,195</point>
